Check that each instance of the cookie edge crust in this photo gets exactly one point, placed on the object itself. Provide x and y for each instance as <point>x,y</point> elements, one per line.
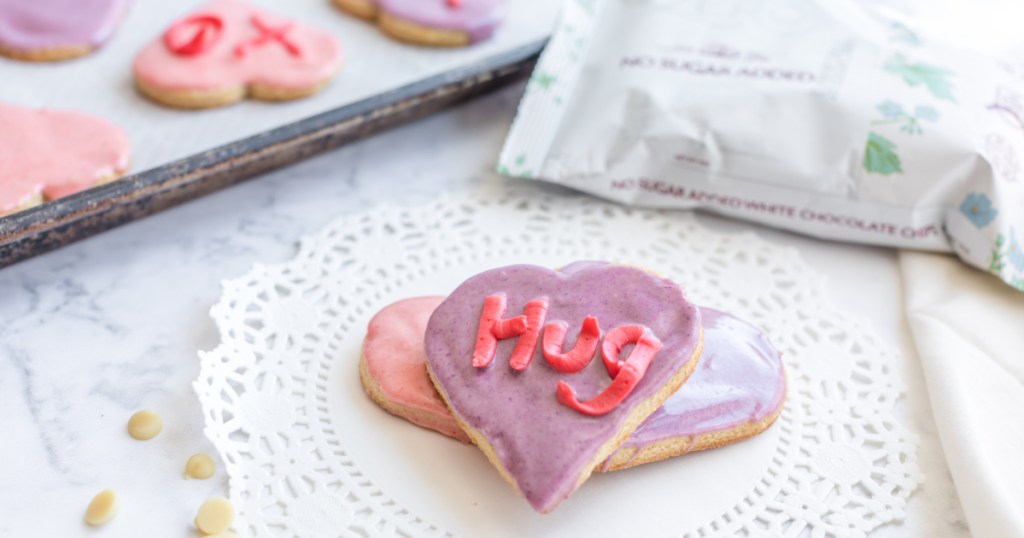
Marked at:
<point>200,99</point>
<point>409,414</point>
<point>39,199</point>
<point>363,9</point>
<point>417,34</point>
<point>48,54</point>
<point>632,422</point>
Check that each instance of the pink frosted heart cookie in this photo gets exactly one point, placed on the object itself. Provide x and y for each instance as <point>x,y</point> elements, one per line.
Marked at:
<point>544,407</point>
<point>736,392</point>
<point>46,154</point>
<point>51,30</point>
<point>439,23</point>
<point>229,50</point>
<point>393,367</point>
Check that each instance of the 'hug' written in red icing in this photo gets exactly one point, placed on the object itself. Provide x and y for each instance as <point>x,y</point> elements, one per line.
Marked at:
<point>527,328</point>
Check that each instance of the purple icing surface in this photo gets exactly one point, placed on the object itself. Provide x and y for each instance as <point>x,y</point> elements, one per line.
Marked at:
<point>45,24</point>
<point>738,380</point>
<point>544,445</point>
<point>478,18</point>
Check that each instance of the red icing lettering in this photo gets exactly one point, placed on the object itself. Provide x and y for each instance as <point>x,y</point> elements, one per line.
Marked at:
<point>267,34</point>
<point>193,35</point>
<point>454,3</point>
<point>627,373</point>
<point>522,354</point>
<point>494,327</point>
<point>620,337</point>
<point>491,325</point>
<point>582,351</point>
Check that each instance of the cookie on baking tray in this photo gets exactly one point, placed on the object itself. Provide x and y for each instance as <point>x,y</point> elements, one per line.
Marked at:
<point>438,23</point>
<point>546,416</point>
<point>48,154</point>
<point>53,30</point>
<point>230,50</point>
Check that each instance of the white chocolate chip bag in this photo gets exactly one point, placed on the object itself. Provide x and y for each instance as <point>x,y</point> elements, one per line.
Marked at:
<point>819,117</point>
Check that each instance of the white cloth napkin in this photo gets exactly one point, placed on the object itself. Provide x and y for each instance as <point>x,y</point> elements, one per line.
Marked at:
<point>969,331</point>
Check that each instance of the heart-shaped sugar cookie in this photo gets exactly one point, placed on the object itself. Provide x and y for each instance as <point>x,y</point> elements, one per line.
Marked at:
<point>49,30</point>
<point>229,50</point>
<point>546,419</point>
<point>49,154</point>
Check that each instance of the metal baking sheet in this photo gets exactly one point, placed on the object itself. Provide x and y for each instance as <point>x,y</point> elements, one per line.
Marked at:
<point>179,155</point>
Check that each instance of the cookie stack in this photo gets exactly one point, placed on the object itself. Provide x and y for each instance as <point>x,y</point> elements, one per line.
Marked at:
<point>555,374</point>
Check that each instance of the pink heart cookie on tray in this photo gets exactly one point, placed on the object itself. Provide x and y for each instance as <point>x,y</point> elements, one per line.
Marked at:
<point>229,50</point>
<point>50,30</point>
<point>543,410</point>
<point>46,154</point>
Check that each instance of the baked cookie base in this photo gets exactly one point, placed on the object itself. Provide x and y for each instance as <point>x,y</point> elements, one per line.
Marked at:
<point>416,34</point>
<point>416,416</point>
<point>671,447</point>
<point>53,54</point>
<point>364,9</point>
<point>632,422</point>
<point>199,99</point>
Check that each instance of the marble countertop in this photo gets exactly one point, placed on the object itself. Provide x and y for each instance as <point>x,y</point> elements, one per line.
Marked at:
<point>97,330</point>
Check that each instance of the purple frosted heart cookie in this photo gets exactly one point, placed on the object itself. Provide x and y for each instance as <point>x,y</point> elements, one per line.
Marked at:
<point>437,23</point>
<point>50,30</point>
<point>544,407</point>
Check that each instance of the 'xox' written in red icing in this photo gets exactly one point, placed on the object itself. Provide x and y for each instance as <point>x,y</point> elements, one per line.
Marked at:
<point>268,34</point>
<point>526,327</point>
<point>196,35</point>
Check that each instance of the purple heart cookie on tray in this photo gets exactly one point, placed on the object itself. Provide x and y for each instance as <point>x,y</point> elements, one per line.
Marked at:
<point>52,30</point>
<point>436,23</point>
<point>549,372</point>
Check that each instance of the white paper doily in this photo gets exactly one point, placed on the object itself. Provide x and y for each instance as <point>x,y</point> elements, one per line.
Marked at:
<point>308,454</point>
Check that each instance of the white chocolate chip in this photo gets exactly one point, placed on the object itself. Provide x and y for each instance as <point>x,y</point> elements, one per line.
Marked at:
<point>200,466</point>
<point>145,425</point>
<point>215,516</point>
<point>102,508</point>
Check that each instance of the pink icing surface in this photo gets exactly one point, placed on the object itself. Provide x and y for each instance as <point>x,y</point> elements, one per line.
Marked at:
<point>270,63</point>
<point>55,153</point>
<point>544,445</point>
<point>393,350</point>
<point>478,18</point>
<point>739,379</point>
<point>43,24</point>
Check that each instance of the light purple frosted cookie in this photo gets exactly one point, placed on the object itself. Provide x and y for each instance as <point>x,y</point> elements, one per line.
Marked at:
<point>439,23</point>
<point>546,412</point>
<point>50,30</point>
